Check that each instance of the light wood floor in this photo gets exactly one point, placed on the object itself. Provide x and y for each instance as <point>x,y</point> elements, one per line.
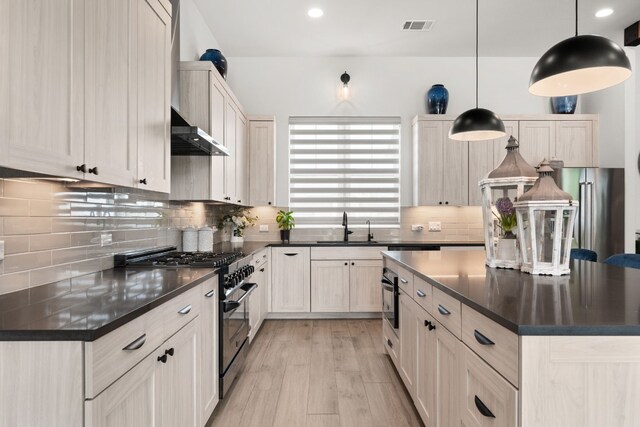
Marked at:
<point>317,373</point>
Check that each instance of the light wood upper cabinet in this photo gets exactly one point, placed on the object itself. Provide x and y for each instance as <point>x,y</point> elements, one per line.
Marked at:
<point>154,95</point>
<point>364,286</point>
<point>241,160</point>
<point>329,286</point>
<point>290,279</point>
<point>261,158</point>
<point>42,44</point>
<point>573,143</point>
<point>231,129</point>
<point>209,348</point>
<point>455,190</point>
<point>536,140</point>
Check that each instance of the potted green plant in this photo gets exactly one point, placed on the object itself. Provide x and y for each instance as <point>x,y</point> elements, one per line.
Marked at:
<point>285,222</point>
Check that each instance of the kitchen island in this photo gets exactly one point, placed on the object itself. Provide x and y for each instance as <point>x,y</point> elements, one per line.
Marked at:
<point>516,349</point>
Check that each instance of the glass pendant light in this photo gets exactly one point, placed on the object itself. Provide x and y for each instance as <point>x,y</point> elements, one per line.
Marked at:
<point>580,64</point>
<point>477,124</point>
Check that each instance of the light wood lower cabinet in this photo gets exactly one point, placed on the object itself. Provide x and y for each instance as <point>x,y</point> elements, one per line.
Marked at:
<point>290,279</point>
<point>329,286</point>
<point>447,383</point>
<point>365,294</point>
<point>209,348</point>
<point>426,369</point>
<point>258,303</point>
<point>408,342</point>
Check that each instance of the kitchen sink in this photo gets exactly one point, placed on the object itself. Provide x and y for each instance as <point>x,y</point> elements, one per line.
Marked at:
<point>350,242</point>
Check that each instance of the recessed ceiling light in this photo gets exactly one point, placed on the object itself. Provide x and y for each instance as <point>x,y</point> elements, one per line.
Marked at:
<point>604,12</point>
<point>315,12</point>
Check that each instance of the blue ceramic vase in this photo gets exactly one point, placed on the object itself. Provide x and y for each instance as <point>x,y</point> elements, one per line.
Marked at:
<point>564,104</point>
<point>218,59</point>
<point>437,99</point>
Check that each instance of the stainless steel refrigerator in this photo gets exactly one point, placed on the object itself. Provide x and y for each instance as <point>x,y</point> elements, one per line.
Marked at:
<point>600,219</point>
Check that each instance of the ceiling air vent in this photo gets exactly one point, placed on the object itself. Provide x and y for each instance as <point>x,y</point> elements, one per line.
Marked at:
<point>421,25</point>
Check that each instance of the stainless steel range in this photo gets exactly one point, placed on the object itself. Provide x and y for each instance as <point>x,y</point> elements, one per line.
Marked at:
<point>233,269</point>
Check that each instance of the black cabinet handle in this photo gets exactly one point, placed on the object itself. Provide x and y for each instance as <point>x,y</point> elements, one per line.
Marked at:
<point>185,310</point>
<point>353,263</point>
<point>239,201</point>
<point>262,270</point>
<point>446,203</point>
<point>443,310</point>
<point>481,338</point>
<point>227,198</point>
<point>94,170</point>
<point>143,181</point>
<point>162,358</point>
<point>431,326</point>
<point>210,293</point>
<point>137,343</point>
<point>439,203</point>
<point>170,351</point>
<point>288,254</point>
<point>269,203</point>
<point>346,263</point>
<point>390,343</point>
<point>483,408</point>
<point>82,168</point>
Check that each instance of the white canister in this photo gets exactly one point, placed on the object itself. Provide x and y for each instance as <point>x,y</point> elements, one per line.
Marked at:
<point>205,239</point>
<point>189,239</point>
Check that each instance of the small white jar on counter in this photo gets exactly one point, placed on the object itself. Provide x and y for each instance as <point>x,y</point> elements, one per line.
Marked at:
<point>205,239</point>
<point>189,239</point>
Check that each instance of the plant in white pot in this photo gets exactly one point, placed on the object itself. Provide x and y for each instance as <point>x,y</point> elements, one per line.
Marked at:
<point>286,222</point>
<point>238,221</point>
<point>507,243</point>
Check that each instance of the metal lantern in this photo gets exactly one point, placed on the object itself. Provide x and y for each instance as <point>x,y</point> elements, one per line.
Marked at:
<point>545,216</point>
<point>505,184</point>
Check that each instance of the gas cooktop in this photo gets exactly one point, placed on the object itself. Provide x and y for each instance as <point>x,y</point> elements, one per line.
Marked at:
<point>170,257</point>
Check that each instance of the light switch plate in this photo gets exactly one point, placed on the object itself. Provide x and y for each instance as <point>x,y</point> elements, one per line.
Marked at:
<point>264,228</point>
<point>1,250</point>
<point>417,227</point>
<point>106,239</point>
<point>435,226</point>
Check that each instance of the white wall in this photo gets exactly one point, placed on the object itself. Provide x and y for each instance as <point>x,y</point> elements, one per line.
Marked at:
<point>294,86</point>
<point>195,34</point>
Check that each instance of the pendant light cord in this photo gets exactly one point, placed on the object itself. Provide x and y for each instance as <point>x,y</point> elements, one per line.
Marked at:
<point>576,18</point>
<point>476,53</point>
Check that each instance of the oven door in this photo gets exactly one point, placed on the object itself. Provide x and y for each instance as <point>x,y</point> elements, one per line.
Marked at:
<point>235,323</point>
<point>390,296</point>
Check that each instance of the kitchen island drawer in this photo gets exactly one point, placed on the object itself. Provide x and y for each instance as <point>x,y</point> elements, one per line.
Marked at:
<point>111,356</point>
<point>181,310</point>
<point>423,293</point>
<point>447,310</point>
<point>486,399</point>
<point>494,343</point>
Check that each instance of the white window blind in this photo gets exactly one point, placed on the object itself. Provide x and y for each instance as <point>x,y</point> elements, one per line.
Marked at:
<point>344,164</point>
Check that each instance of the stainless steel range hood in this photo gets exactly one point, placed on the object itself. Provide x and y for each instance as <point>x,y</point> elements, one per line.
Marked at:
<point>187,140</point>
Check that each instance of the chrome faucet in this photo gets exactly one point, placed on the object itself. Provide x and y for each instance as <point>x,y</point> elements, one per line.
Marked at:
<point>346,227</point>
<point>369,235</point>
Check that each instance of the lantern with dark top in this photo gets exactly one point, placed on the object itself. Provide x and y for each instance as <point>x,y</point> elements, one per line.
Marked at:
<point>503,186</point>
<point>545,216</point>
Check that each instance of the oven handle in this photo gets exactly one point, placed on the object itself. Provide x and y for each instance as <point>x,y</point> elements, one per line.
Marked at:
<point>232,305</point>
<point>387,287</point>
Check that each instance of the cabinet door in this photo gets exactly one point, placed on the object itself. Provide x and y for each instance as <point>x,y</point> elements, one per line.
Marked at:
<point>455,170</point>
<point>536,139</point>
<point>42,44</point>
<point>241,159</point>
<point>574,143</point>
<point>266,295</point>
<point>365,294</point>
<point>153,63</point>
<point>425,398</point>
<point>262,190</point>
<point>408,342</point>
<point>428,157</point>
<point>447,385</point>
<point>110,91</point>
<point>230,138</point>
<point>329,286</point>
<point>255,302</point>
<point>209,347</point>
<point>217,108</point>
<point>132,401</point>
<point>180,378</point>
<point>290,280</point>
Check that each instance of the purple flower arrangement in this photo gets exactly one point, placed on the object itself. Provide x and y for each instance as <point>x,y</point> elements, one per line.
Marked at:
<point>506,216</point>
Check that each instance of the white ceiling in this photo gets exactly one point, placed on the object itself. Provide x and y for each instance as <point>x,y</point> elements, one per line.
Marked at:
<point>372,27</point>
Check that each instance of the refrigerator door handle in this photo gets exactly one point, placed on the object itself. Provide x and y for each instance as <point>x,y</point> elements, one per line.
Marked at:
<point>581,213</point>
<point>589,215</point>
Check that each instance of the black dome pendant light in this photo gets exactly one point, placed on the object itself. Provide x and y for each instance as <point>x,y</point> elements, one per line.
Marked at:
<point>477,124</point>
<point>580,64</point>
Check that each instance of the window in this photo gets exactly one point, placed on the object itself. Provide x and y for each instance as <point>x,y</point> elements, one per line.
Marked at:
<point>344,164</point>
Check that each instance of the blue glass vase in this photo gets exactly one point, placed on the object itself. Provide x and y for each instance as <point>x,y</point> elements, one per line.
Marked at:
<point>218,60</point>
<point>564,104</point>
<point>437,99</point>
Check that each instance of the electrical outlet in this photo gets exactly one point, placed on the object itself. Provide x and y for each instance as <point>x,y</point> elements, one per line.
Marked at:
<point>417,227</point>
<point>435,226</point>
<point>264,228</point>
<point>106,239</point>
<point>1,250</point>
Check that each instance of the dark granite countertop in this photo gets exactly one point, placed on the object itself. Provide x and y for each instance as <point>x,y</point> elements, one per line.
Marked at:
<point>251,246</point>
<point>90,306</point>
<point>595,299</point>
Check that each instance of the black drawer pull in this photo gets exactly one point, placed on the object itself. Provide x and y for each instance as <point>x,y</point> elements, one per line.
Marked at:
<point>390,343</point>
<point>185,310</point>
<point>170,351</point>
<point>481,338</point>
<point>431,326</point>
<point>483,408</point>
<point>443,310</point>
<point>288,254</point>
<point>210,293</point>
<point>420,293</point>
<point>262,270</point>
<point>139,342</point>
<point>162,358</point>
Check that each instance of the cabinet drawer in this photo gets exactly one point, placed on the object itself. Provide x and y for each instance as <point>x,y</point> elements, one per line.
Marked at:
<point>422,293</point>
<point>446,309</point>
<point>110,356</point>
<point>487,399</point>
<point>347,253</point>
<point>495,344</point>
<point>405,280</point>
<point>391,342</point>
<point>180,310</point>
<point>260,258</point>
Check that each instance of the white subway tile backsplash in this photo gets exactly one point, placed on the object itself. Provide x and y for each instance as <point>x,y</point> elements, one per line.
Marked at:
<point>41,242</point>
<point>33,190</point>
<point>26,225</point>
<point>16,244</point>
<point>14,207</point>
<point>14,282</point>
<point>26,261</point>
